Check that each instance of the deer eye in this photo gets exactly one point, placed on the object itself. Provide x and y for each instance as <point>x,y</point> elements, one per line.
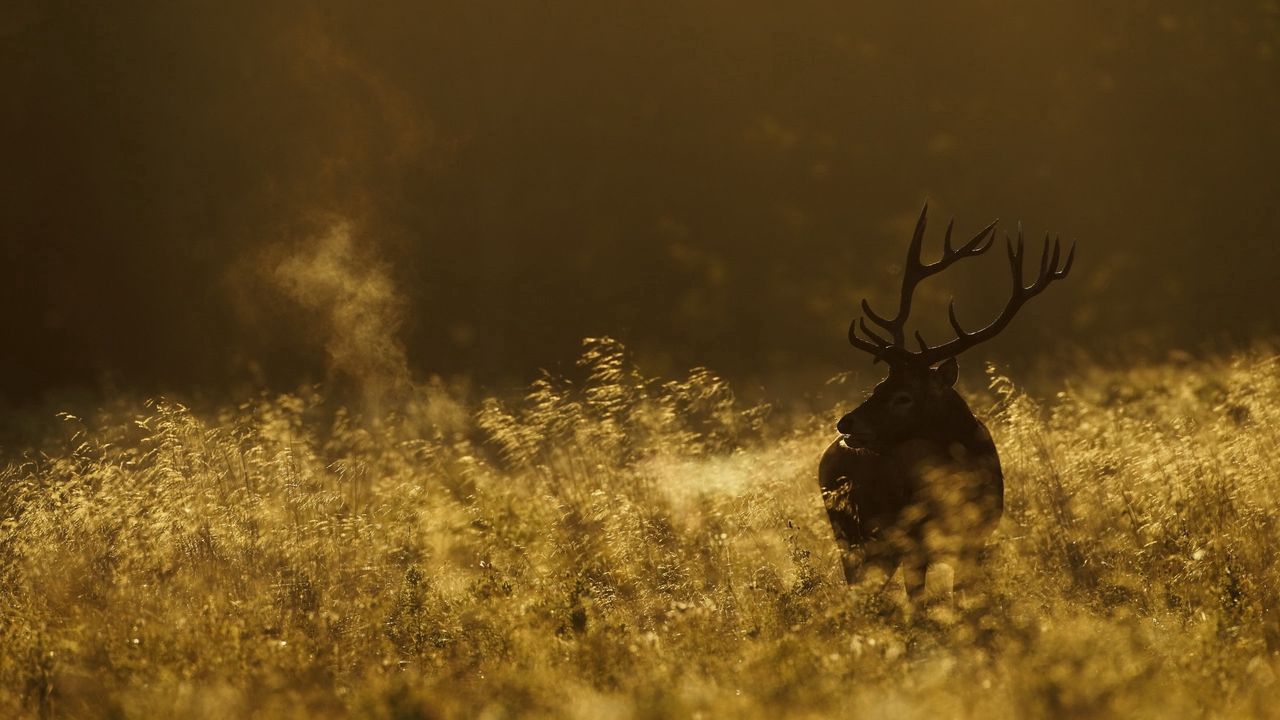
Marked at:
<point>901,400</point>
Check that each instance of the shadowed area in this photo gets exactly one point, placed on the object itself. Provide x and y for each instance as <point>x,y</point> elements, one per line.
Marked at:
<point>713,183</point>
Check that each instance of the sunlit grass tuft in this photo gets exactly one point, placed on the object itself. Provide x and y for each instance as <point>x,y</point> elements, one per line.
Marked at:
<point>622,546</point>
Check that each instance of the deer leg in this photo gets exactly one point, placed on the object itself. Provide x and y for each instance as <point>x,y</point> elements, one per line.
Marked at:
<point>970,574</point>
<point>914,569</point>
<point>869,573</point>
<point>857,566</point>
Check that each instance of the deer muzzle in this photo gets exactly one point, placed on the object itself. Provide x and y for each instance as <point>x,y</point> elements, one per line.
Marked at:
<point>855,429</point>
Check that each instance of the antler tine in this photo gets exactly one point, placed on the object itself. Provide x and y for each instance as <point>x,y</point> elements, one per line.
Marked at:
<point>975,246</point>
<point>955,322</point>
<point>882,322</point>
<point>1066,266</point>
<point>917,239</point>
<point>924,346</point>
<point>1015,257</point>
<point>1044,261</point>
<point>946,239</point>
<point>875,347</point>
<point>913,271</point>
<point>878,347</point>
<point>1049,271</point>
<point>884,344</point>
<point>874,350</point>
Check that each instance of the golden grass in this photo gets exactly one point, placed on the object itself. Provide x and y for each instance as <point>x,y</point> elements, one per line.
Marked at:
<point>625,547</point>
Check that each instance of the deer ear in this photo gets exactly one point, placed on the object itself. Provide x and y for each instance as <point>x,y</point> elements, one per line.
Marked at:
<point>946,372</point>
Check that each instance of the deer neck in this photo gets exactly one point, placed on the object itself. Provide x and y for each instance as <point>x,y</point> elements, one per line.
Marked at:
<point>955,424</point>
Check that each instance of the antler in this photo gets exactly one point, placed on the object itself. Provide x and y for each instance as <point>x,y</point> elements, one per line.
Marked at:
<point>894,351</point>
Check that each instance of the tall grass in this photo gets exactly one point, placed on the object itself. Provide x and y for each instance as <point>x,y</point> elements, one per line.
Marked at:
<point>620,546</point>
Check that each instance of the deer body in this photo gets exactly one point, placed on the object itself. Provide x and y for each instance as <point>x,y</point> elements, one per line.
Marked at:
<point>914,477</point>
<point>930,492</point>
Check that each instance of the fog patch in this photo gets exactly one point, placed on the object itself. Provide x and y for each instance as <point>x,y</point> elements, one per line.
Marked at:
<point>349,292</point>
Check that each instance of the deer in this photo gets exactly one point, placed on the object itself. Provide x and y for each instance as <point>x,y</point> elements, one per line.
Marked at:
<point>914,477</point>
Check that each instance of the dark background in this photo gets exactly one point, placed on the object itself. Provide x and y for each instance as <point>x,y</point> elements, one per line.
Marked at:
<point>712,182</point>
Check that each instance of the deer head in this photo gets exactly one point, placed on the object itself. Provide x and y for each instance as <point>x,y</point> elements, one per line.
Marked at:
<point>918,397</point>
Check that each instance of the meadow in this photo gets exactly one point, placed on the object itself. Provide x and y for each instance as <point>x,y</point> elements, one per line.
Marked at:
<point>620,546</point>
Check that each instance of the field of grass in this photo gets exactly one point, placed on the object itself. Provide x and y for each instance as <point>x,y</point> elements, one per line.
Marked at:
<point>627,547</point>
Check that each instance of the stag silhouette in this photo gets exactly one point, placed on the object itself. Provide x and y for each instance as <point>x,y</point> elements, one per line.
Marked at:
<point>914,477</point>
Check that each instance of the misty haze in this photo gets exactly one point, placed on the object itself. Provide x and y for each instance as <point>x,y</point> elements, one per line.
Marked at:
<point>478,359</point>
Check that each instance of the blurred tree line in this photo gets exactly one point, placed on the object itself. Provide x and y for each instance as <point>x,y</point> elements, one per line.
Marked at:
<point>714,183</point>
